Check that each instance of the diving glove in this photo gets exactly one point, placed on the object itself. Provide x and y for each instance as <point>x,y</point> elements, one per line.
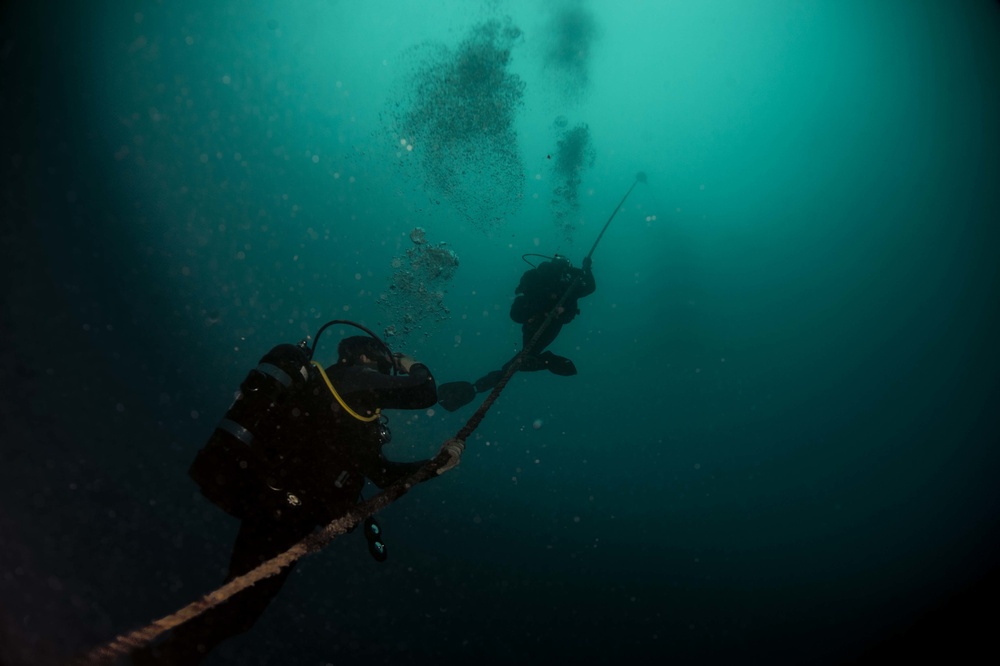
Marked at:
<point>453,448</point>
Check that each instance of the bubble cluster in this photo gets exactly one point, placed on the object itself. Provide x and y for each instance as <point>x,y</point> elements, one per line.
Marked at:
<point>570,36</point>
<point>456,118</point>
<point>574,153</point>
<point>418,284</point>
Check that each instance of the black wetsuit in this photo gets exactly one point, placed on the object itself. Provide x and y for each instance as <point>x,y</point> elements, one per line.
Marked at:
<point>540,290</point>
<point>322,459</point>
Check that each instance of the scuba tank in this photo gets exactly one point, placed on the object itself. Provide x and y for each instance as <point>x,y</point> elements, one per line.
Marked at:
<point>231,467</point>
<point>245,466</point>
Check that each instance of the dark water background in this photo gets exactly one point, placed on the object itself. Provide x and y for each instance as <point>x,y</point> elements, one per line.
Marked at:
<point>780,448</point>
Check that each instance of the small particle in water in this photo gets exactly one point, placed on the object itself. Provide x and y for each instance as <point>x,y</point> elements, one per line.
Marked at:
<point>537,424</point>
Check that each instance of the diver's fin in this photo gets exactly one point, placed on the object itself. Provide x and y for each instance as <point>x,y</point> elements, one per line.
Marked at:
<point>488,381</point>
<point>453,395</point>
<point>558,365</point>
<point>531,363</point>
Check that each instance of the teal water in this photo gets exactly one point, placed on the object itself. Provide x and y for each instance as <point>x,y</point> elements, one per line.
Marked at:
<point>781,443</point>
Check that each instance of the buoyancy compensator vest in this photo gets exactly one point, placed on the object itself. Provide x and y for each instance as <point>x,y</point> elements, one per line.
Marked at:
<point>230,468</point>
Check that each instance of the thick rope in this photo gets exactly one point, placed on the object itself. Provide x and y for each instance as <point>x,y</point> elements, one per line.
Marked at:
<point>639,178</point>
<point>124,644</point>
<point>512,367</point>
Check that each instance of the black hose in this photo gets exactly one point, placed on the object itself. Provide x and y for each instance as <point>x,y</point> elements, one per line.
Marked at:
<point>388,350</point>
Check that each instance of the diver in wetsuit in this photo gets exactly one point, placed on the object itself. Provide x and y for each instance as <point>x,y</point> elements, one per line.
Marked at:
<point>328,442</point>
<point>538,292</point>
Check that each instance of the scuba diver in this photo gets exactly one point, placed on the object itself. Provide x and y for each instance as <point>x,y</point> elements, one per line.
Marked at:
<point>292,453</point>
<point>553,284</point>
<point>539,291</point>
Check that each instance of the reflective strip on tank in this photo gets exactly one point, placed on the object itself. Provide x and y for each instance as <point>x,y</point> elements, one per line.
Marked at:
<point>276,372</point>
<point>236,430</point>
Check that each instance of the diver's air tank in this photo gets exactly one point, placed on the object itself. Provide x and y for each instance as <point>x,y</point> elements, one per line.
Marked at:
<point>230,468</point>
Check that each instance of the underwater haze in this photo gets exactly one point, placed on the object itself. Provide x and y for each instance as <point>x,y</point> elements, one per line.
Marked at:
<point>781,444</point>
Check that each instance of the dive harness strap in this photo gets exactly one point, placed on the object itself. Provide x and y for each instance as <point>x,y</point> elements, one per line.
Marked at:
<point>329,385</point>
